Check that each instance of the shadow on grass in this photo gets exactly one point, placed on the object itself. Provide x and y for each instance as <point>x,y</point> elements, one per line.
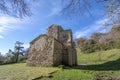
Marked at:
<point>110,65</point>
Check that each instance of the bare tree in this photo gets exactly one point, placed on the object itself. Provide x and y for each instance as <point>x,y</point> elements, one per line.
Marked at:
<point>113,10</point>
<point>17,8</point>
<point>76,7</point>
<point>21,8</point>
<point>79,7</point>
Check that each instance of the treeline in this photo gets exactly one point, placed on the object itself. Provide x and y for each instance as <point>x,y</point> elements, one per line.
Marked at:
<point>18,55</point>
<point>100,41</point>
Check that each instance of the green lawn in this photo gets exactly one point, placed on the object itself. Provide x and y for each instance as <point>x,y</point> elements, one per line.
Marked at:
<point>104,65</point>
<point>21,72</point>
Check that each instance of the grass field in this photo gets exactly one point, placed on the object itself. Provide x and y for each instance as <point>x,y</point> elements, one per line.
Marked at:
<point>98,57</point>
<point>21,72</point>
<point>104,65</point>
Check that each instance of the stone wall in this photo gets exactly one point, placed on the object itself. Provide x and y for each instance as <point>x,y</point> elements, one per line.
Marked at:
<point>57,53</point>
<point>72,57</point>
<point>41,52</point>
<point>57,32</point>
<point>53,48</point>
<point>65,37</point>
<point>54,31</point>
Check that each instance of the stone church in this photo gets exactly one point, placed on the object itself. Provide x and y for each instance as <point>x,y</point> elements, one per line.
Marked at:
<point>54,48</point>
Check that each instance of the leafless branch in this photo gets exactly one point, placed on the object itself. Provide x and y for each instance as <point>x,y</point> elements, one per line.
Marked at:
<point>17,8</point>
<point>79,7</point>
<point>76,7</point>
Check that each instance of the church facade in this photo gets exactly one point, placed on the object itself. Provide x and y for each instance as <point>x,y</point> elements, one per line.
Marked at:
<point>54,48</point>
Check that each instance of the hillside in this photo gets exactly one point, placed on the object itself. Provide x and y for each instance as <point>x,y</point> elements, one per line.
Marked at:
<point>100,41</point>
<point>98,57</point>
<point>102,65</point>
<point>93,67</point>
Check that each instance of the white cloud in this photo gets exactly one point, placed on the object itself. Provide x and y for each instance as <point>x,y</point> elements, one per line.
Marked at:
<point>97,26</point>
<point>8,19</point>
<point>1,37</point>
<point>7,24</point>
<point>26,45</point>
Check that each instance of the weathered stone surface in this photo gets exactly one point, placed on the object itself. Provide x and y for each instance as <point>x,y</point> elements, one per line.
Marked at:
<point>41,52</point>
<point>57,53</point>
<point>53,48</point>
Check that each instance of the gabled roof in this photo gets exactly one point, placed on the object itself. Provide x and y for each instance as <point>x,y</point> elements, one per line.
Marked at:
<point>37,38</point>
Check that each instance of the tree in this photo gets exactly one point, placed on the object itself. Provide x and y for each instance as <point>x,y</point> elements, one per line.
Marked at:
<point>80,42</point>
<point>21,8</point>
<point>17,8</point>
<point>87,45</point>
<point>96,36</point>
<point>18,50</point>
<point>1,58</point>
<point>78,7</point>
<point>13,56</point>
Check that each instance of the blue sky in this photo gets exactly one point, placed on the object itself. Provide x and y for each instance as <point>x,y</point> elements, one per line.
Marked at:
<point>46,13</point>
